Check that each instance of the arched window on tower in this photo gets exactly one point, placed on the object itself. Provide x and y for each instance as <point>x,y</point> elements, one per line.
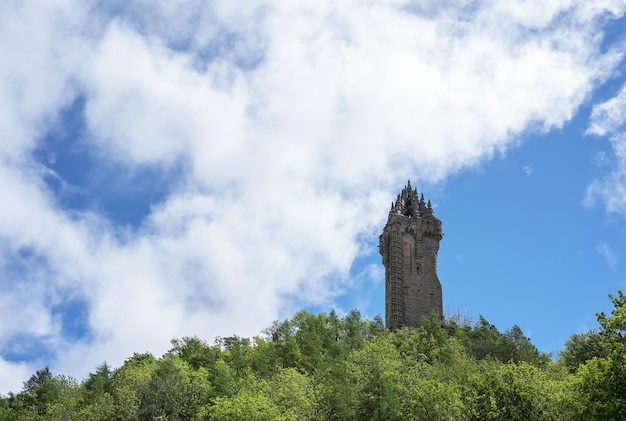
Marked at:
<point>417,271</point>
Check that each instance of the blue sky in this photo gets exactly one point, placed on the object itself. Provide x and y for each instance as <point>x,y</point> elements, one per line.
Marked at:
<point>204,168</point>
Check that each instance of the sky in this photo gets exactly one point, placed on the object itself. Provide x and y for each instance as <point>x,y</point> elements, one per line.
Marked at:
<point>180,168</point>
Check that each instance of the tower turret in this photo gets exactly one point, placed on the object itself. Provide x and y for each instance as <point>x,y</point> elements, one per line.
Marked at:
<point>409,245</point>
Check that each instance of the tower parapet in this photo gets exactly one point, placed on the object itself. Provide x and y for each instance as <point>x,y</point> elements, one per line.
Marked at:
<point>409,245</point>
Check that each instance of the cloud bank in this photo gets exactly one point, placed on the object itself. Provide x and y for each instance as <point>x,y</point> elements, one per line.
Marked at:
<point>276,132</point>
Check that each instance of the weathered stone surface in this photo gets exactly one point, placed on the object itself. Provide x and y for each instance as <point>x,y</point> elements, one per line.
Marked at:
<point>409,245</point>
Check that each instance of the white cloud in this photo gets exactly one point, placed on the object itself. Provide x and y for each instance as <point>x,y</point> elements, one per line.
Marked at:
<point>293,126</point>
<point>608,254</point>
<point>608,116</point>
<point>607,119</point>
<point>13,375</point>
<point>528,169</point>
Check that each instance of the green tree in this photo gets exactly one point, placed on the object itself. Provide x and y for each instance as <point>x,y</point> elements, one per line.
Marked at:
<point>102,408</point>
<point>431,399</point>
<point>580,348</point>
<point>482,340</point>
<point>223,379</point>
<point>262,356</point>
<point>516,347</point>
<point>98,383</point>
<point>173,392</point>
<point>336,393</point>
<point>128,383</point>
<point>195,352</point>
<point>43,397</point>
<point>375,327</point>
<point>602,381</point>
<point>67,404</point>
<point>312,339</point>
<point>247,405</point>
<point>39,390</point>
<point>236,353</point>
<point>428,343</point>
<point>293,393</point>
<point>375,371</point>
<point>317,338</point>
<point>286,352</point>
<point>354,329</point>
<point>509,392</point>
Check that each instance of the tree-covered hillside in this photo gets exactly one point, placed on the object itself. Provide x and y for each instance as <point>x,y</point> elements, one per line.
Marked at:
<point>323,367</point>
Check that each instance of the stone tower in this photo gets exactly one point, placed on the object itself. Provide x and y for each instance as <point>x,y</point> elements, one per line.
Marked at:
<point>409,245</point>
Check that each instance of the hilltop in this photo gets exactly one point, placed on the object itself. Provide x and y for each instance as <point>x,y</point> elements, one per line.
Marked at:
<point>321,367</point>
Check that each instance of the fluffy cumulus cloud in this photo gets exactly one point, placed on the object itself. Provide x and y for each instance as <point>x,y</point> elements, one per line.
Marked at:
<point>609,116</point>
<point>277,130</point>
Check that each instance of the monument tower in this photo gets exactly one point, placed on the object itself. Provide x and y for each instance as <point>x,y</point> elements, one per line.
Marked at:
<point>409,245</point>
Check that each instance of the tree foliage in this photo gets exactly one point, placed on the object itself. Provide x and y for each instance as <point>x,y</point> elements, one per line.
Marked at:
<point>326,367</point>
<point>580,348</point>
<point>602,379</point>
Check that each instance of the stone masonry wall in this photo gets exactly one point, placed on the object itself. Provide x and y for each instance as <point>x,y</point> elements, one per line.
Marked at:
<point>409,246</point>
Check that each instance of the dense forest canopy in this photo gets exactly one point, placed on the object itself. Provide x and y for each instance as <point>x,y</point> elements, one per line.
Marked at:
<point>325,367</point>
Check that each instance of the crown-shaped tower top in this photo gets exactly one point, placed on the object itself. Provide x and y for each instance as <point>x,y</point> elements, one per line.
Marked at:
<point>408,203</point>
